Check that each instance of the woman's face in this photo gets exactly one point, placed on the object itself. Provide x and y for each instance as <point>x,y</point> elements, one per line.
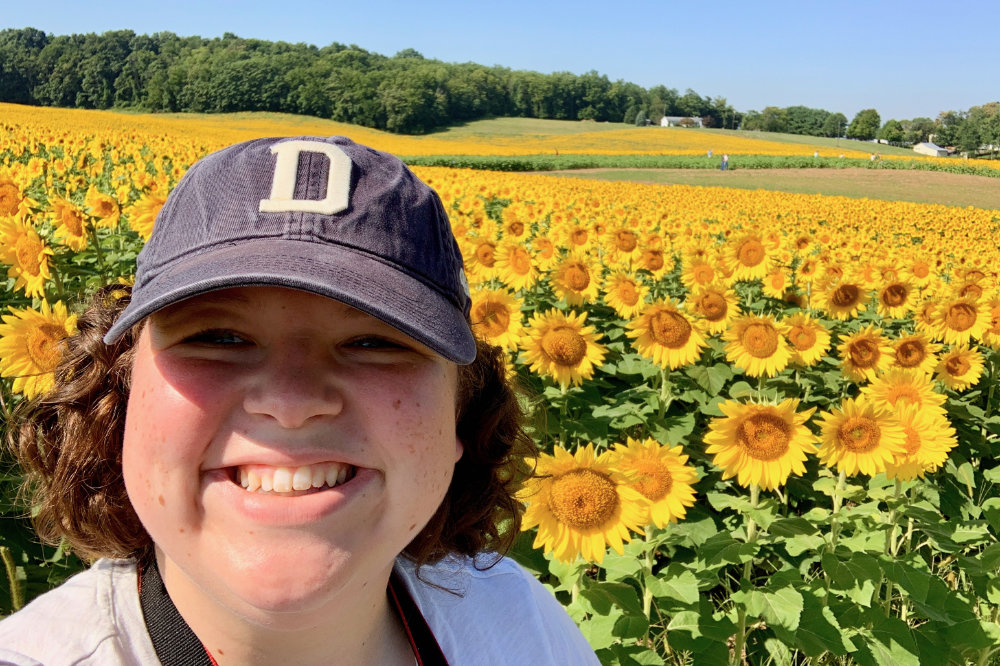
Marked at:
<point>282,448</point>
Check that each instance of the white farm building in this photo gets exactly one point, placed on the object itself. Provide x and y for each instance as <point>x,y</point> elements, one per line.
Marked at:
<point>927,148</point>
<point>680,121</point>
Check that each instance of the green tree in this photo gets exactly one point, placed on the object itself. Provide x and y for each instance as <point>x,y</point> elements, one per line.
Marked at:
<point>865,125</point>
<point>835,125</point>
<point>917,130</point>
<point>891,132</point>
<point>640,118</point>
<point>20,70</point>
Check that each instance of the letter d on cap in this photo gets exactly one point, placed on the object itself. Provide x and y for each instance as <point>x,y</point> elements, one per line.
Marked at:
<point>338,184</point>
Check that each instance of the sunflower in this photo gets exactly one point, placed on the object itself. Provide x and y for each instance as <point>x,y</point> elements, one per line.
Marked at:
<point>962,319</point>
<point>747,256</point>
<point>895,299</point>
<point>897,387</point>
<point>929,438</point>
<point>14,202</point>
<point>661,474</point>
<point>625,294</point>
<point>716,305</point>
<point>544,252</point>
<point>581,505</point>
<point>480,259</point>
<point>574,279</point>
<point>756,345</point>
<point>514,265</point>
<point>621,244</point>
<point>70,223</point>
<point>776,283</point>
<point>142,214</point>
<point>496,317</point>
<point>841,299</point>
<point>860,436</point>
<point>31,347</point>
<point>699,273</point>
<point>925,317</point>
<point>960,368</point>
<point>865,354</point>
<point>915,351</point>
<point>654,260</point>
<point>103,207</point>
<point>27,254</point>
<point>760,444</point>
<point>991,336</point>
<point>808,337</point>
<point>917,270</point>
<point>561,346</point>
<point>663,334</point>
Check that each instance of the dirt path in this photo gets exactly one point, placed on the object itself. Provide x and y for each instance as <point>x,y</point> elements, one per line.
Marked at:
<point>920,186</point>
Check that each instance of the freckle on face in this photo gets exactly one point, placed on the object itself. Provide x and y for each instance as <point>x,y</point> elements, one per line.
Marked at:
<point>162,501</point>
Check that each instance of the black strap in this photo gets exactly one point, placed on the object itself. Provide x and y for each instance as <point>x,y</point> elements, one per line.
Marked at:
<point>173,640</point>
<point>421,638</point>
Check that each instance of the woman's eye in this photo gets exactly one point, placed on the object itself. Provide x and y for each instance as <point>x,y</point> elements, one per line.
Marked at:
<point>374,343</point>
<point>219,337</point>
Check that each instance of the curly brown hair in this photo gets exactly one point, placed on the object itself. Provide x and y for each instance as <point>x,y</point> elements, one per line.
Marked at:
<point>69,444</point>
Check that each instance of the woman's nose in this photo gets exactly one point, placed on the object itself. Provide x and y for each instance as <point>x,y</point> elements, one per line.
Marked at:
<point>294,385</point>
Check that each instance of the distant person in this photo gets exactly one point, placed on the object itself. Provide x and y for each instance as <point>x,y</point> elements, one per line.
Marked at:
<point>710,153</point>
<point>725,162</point>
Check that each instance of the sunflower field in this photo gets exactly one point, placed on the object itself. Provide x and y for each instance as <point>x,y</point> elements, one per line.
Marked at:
<point>768,423</point>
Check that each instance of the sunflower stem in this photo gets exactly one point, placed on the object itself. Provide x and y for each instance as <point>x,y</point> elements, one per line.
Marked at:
<point>16,592</point>
<point>741,613</point>
<point>838,497</point>
<point>92,231</point>
<point>891,546</point>
<point>666,393</point>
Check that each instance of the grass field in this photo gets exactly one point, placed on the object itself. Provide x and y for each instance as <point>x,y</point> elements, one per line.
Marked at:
<point>919,186</point>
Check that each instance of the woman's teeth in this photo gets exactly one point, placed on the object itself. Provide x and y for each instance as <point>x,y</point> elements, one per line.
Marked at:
<point>262,478</point>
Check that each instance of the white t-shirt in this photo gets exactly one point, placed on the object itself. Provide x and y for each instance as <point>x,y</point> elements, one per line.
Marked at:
<point>501,616</point>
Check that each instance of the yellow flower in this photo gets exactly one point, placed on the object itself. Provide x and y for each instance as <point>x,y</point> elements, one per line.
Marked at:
<point>761,444</point>
<point>102,207</point>
<point>142,214</point>
<point>496,317</point>
<point>70,223</point>
<point>747,256</point>
<point>860,436</point>
<point>960,368</point>
<point>625,294</point>
<point>776,283</point>
<point>31,347</point>
<point>699,273</point>
<point>991,336</point>
<point>915,351</point>
<point>898,386</point>
<point>895,299</point>
<point>716,305</point>
<point>842,299</point>
<point>561,346</point>
<point>581,505</point>
<point>809,339</point>
<point>865,354</point>
<point>27,254</point>
<point>660,474</point>
<point>961,320</point>
<point>757,345</point>
<point>663,334</point>
<point>653,259</point>
<point>574,280</point>
<point>929,438</point>
<point>514,265</point>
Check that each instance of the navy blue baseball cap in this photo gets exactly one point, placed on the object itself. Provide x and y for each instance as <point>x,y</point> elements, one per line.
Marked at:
<point>321,214</point>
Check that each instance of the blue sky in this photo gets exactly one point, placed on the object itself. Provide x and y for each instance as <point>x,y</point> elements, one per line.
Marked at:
<point>903,58</point>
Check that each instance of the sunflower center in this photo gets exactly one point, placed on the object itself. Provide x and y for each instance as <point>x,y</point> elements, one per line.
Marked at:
<point>846,295</point>
<point>802,338</point>
<point>777,281</point>
<point>43,345</point>
<point>652,260</point>
<point>493,318</point>
<point>627,293</point>
<point>515,228</point>
<point>544,248</point>
<point>577,277</point>
<point>583,499</point>
<point>652,478</point>
<point>912,443</point>
<point>520,261</point>
<point>859,434</point>
<point>750,252</point>
<point>564,346</point>
<point>920,269</point>
<point>625,240</point>
<point>863,353</point>
<point>703,273</point>
<point>670,329</point>
<point>760,339</point>
<point>960,317</point>
<point>485,254</point>
<point>904,392</point>
<point>10,198</point>
<point>895,295</point>
<point>956,366</point>
<point>72,221</point>
<point>28,250</point>
<point>764,436</point>
<point>971,290</point>
<point>911,353</point>
<point>802,242</point>
<point>713,306</point>
<point>578,237</point>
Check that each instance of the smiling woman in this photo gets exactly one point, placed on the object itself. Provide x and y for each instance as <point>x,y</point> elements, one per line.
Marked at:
<point>284,441</point>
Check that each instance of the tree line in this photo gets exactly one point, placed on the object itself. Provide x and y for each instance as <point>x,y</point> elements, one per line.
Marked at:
<point>405,93</point>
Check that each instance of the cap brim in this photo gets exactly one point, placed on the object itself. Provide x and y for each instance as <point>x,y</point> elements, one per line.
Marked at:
<point>356,279</point>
